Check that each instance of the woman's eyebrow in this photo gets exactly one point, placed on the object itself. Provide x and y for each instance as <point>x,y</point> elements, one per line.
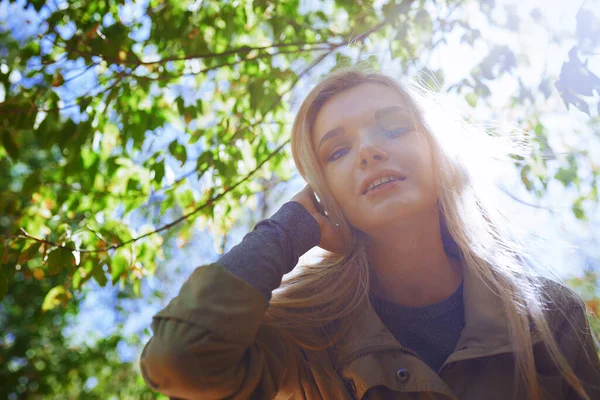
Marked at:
<point>384,112</point>
<point>331,134</point>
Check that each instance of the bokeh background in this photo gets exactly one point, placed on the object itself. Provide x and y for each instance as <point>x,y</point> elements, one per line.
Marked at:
<point>139,140</point>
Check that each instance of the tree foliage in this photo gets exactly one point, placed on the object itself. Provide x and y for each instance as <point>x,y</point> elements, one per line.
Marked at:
<point>124,124</point>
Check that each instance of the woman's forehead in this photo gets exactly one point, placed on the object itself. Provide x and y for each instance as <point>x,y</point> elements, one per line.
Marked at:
<point>359,105</point>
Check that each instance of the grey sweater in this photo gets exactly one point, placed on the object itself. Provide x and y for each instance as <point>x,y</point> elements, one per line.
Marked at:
<point>273,248</point>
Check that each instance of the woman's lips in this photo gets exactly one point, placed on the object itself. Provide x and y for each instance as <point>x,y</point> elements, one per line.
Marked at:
<point>384,187</point>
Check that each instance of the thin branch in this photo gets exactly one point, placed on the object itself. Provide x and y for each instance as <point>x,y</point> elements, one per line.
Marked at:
<point>246,49</point>
<point>42,65</point>
<point>182,178</point>
<point>364,35</point>
<point>117,79</point>
<point>184,217</point>
<point>99,236</point>
<point>123,74</point>
<point>259,122</point>
<point>26,235</point>
<point>361,37</point>
<point>515,198</point>
<point>77,99</point>
<point>44,90</point>
<point>289,89</point>
<point>228,64</point>
<point>217,197</point>
<point>203,171</point>
<point>86,69</point>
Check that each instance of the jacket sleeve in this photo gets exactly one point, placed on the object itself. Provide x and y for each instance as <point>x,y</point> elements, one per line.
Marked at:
<point>210,342</point>
<point>580,340</point>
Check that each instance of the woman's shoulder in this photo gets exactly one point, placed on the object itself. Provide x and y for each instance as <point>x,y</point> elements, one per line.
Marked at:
<point>558,293</point>
<point>561,303</point>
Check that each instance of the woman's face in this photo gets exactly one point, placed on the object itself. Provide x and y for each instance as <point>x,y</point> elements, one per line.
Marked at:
<point>364,132</point>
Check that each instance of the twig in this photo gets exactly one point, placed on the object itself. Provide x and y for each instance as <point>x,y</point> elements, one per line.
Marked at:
<point>184,217</point>
<point>222,65</point>
<point>87,68</point>
<point>25,235</point>
<point>234,51</point>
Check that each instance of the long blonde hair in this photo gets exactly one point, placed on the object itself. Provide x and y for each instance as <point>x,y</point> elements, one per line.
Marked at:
<point>317,304</point>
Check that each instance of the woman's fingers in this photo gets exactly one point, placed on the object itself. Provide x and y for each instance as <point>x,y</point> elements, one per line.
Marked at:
<point>331,239</point>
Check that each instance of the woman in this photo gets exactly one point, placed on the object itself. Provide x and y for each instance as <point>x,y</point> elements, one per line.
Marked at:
<point>425,291</point>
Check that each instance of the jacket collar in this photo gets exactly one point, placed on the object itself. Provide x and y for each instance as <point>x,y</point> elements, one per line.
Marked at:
<point>485,331</point>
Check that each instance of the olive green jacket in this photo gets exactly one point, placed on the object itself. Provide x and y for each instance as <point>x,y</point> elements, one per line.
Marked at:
<point>210,343</point>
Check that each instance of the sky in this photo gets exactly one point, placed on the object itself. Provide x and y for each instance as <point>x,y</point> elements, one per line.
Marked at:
<point>563,233</point>
<point>560,233</point>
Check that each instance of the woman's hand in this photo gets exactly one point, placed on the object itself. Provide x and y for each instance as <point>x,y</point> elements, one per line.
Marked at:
<point>331,240</point>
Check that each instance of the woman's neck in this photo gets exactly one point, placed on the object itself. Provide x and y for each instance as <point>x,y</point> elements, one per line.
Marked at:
<point>409,264</point>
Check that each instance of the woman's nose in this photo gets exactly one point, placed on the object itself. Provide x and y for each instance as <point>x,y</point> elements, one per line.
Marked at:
<point>369,153</point>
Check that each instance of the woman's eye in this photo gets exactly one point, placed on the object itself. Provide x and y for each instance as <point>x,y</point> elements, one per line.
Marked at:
<point>337,154</point>
<point>395,132</point>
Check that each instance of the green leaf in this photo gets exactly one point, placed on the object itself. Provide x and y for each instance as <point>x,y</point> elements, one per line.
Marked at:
<point>60,259</point>
<point>56,296</point>
<point>567,175</point>
<point>159,172</point>
<point>472,99</point>
<point>178,151</point>
<point>83,274</point>
<point>578,211</point>
<point>29,253</point>
<point>10,146</point>
<point>32,182</point>
<point>137,288</point>
<point>119,264</point>
<point>77,278</point>
<point>3,284</point>
<point>99,275</point>
<point>3,250</point>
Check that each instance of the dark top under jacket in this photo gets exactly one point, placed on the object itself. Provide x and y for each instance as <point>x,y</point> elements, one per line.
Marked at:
<point>273,248</point>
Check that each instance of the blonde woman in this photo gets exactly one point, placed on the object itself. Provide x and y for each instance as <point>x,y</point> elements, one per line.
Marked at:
<point>425,291</point>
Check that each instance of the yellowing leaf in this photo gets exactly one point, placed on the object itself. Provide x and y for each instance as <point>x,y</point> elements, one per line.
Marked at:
<point>58,295</point>
<point>58,80</point>
<point>594,306</point>
<point>38,274</point>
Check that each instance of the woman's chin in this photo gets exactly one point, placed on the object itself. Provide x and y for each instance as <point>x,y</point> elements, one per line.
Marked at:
<point>384,218</point>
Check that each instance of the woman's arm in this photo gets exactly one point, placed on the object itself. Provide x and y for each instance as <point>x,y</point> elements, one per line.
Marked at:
<point>209,342</point>
<point>273,248</point>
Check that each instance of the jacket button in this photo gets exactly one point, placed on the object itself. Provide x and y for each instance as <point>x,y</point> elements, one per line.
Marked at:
<point>402,374</point>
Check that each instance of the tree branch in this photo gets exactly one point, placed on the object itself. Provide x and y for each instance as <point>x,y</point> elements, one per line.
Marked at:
<point>235,135</point>
<point>184,217</point>
<point>25,235</point>
<point>243,49</point>
<point>246,49</point>
<point>228,64</point>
